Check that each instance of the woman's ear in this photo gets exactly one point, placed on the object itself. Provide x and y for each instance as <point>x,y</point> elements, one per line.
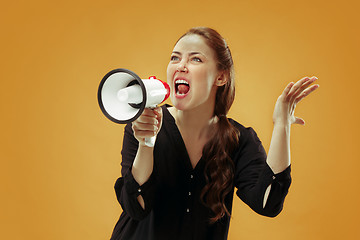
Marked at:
<point>221,80</point>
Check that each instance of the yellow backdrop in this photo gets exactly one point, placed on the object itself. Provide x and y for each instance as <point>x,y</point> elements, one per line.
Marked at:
<point>60,156</point>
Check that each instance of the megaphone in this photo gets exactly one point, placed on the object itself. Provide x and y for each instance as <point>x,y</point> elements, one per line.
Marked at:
<point>123,96</point>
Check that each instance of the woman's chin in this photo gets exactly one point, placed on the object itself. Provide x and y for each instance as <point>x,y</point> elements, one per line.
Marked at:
<point>178,102</point>
<point>179,105</point>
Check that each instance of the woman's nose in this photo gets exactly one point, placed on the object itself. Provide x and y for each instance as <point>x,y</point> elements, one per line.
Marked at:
<point>181,67</point>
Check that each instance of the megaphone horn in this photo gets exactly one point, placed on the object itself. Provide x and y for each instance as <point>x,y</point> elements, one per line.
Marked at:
<point>123,95</point>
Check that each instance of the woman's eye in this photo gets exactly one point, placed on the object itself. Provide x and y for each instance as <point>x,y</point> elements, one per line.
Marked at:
<point>174,58</point>
<point>196,59</point>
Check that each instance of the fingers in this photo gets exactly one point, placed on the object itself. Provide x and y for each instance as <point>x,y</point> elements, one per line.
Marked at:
<point>297,90</point>
<point>306,92</point>
<point>147,125</point>
<point>288,88</point>
<point>158,112</point>
<point>299,121</point>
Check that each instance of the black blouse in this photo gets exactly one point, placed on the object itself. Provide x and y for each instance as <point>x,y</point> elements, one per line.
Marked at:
<point>173,209</point>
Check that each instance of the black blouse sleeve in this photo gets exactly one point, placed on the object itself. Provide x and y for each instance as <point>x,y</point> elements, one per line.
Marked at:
<point>126,188</point>
<point>253,176</point>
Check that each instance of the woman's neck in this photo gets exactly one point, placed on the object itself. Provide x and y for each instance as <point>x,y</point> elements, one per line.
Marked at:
<point>195,122</point>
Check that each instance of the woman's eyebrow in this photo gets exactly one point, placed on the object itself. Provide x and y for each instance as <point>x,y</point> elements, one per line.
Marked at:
<point>192,53</point>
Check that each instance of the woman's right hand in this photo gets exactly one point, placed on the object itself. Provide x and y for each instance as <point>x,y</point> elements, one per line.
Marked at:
<point>147,125</point>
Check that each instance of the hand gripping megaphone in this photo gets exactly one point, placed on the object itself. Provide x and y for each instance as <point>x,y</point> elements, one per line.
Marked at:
<point>123,96</point>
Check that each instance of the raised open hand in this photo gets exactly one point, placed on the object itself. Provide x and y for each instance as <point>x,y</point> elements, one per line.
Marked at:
<point>290,97</point>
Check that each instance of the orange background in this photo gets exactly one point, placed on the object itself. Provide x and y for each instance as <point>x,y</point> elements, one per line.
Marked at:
<point>60,156</point>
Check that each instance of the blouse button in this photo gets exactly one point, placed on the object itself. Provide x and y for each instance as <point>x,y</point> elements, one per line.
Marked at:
<point>139,190</point>
<point>187,210</point>
<point>191,176</point>
<point>189,193</point>
<point>273,177</point>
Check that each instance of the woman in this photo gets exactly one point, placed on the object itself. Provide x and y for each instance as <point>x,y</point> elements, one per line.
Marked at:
<point>183,187</point>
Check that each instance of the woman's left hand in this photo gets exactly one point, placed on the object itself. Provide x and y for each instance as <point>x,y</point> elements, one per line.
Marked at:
<point>292,95</point>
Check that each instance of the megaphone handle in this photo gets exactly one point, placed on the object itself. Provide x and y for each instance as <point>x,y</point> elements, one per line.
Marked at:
<point>150,142</point>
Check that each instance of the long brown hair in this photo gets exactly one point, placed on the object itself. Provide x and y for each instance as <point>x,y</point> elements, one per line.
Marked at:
<point>219,168</point>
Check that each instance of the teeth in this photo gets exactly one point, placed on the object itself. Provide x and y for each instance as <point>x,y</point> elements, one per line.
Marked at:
<point>181,81</point>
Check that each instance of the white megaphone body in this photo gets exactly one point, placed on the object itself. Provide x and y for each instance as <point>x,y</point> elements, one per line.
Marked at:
<point>123,96</point>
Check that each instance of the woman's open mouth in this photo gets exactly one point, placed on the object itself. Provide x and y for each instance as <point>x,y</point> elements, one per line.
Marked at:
<point>182,87</point>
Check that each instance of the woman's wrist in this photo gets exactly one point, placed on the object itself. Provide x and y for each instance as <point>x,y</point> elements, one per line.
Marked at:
<point>143,164</point>
<point>282,124</point>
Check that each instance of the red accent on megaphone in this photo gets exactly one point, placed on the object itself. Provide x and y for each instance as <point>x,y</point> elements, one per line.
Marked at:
<point>167,87</point>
